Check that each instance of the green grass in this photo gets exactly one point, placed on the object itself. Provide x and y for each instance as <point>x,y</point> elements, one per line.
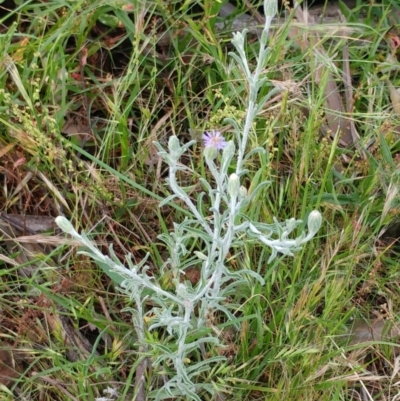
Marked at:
<point>65,316</point>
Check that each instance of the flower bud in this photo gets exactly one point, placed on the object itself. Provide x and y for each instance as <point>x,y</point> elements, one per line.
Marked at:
<point>65,225</point>
<point>234,185</point>
<point>210,152</point>
<point>229,151</point>
<point>270,8</point>
<point>181,290</point>
<point>173,144</point>
<point>242,192</point>
<point>200,255</point>
<point>314,221</point>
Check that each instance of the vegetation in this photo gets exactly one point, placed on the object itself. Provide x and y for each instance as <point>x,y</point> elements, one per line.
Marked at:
<point>87,88</point>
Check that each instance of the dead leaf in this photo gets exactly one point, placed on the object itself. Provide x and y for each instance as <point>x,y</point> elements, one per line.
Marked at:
<point>375,330</point>
<point>10,365</point>
<point>74,126</point>
<point>6,149</point>
<point>21,161</point>
<point>193,275</point>
<point>394,42</point>
<point>19,53</point>
<point>335,112</point>
<point>30,223</point>
<point>13,226</point>
<point>83,57</point>
<point>396,367</point>
<point>394,97</point>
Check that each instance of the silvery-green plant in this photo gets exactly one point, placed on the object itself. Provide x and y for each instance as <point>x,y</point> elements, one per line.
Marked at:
<point>187,309</point>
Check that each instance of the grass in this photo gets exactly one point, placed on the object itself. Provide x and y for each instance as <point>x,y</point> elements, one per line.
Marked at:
<point>66,324</point>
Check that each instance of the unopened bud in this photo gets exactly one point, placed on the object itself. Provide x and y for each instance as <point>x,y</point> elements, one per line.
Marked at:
<point>314,221</point>
<point>229,151</point>
<point>210,152</point>
<point>242,192</point>
<point>65,225</point>
<point>270,8</point>
<point>200,255</point>
<point>181,290</point>
<point>234,185</point>
<point>173,144</point>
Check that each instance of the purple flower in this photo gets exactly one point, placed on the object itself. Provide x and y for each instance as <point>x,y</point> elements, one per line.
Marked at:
<point>214,139</point>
